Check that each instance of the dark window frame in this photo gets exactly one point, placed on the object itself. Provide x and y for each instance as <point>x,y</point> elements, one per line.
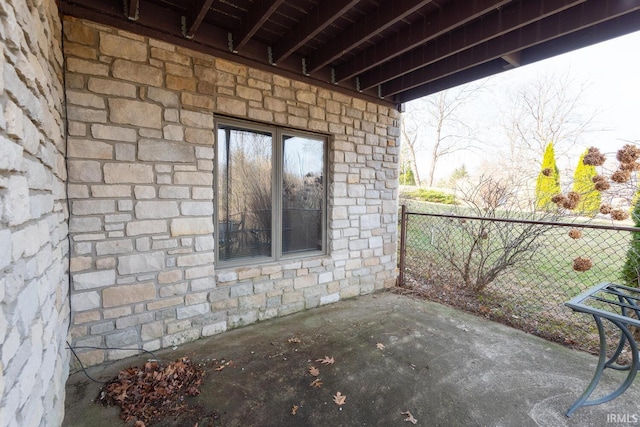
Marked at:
<point>277,161</point>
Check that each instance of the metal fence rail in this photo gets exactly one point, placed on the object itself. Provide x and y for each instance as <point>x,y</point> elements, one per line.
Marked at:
<point>518,272</point>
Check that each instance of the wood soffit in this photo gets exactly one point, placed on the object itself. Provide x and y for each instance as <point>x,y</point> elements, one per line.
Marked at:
<point>388,51</point>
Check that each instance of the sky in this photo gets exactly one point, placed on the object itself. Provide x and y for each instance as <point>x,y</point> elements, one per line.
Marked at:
<point>612,69</point>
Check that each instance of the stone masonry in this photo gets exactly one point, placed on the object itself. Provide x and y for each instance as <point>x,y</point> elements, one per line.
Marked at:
<point>34,309</point>
<point>141,150</point>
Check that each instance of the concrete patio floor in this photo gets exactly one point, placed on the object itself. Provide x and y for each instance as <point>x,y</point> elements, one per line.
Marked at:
<point>446,367</point>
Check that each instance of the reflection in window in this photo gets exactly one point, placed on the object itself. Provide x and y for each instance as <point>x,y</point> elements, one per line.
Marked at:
<point>270,193</point>
<point>244,193</point>
<point>302,194</point>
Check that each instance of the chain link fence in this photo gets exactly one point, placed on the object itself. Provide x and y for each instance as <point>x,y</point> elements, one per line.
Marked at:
<point>516,272</point>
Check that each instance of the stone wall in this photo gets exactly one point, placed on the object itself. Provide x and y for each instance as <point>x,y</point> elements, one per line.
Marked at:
<point>141,149</point>
<point>34,309</point>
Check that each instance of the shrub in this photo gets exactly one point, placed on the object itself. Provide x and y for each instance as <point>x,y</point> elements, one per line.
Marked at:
<point>433,196</point>
<point>583,184</point>
<point>548,182</point>
<point>629,274</point>
<point>478,251</point>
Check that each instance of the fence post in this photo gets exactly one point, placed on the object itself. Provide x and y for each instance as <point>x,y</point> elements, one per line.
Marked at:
<point>403,240</point>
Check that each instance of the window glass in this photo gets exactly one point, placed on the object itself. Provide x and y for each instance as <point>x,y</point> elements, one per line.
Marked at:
<point>270,193</point>
<point>302,193</point>
<point>244,193</point>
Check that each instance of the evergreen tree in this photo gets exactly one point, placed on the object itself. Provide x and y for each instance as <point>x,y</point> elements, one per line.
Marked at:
<point>548,182</point>
<point>631,267</point>
<point>406,174</point>
<point>634,200</point>
<point>457,175</point>
<point>590,199</point>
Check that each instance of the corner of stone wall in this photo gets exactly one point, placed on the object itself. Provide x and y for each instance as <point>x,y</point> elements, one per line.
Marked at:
<point>34,310</point>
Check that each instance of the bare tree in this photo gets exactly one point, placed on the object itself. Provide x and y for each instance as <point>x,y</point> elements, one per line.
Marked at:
<point>436,123</point>
<point>490,238</point>
<point>408,151</point>
<point>548,109</point>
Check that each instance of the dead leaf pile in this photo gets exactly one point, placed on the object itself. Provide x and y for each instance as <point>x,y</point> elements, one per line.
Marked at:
<point>151,393</point>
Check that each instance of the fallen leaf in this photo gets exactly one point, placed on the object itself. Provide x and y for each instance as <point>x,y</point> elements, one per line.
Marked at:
<point>380,346</point>
<point>224,365</point>
<point>409,417</point>
<point>339,399</point>
<point>316,383</point>
<point>326,361</point>
<point>294,409</point>
<point>314,371</point>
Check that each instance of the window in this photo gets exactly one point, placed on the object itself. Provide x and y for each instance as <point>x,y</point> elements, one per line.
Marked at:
<point>270,193</point>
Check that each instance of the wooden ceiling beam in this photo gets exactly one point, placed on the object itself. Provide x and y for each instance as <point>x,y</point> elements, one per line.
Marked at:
<point>509,18</point>
<point>316,21</point>
<point>257,16</point>
<point>132,9</point>
<point>428,28</point>
<point>575,19</point>
<point>195,19</point>
<point>513,59</point>
<point>595,34</point>
<point>481,71</point>
<point>387,14</point>
<point>607,30</point>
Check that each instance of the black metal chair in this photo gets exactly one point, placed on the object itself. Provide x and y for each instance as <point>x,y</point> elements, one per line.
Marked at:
<point>230,236</point>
